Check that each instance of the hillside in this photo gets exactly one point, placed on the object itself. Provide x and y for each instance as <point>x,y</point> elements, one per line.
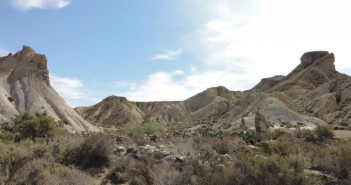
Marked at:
<point>25,87</point>
<point>313,93</point>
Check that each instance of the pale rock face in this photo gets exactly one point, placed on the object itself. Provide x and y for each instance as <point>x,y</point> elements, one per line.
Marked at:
<point>25,87</point>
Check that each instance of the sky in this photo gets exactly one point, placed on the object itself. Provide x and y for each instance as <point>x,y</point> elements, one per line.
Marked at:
<point>153,50</point>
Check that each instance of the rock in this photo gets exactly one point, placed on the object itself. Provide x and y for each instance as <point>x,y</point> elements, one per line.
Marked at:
<point>170,158</point>
<point>261,124</point>
<point>154,138</point>
<point>120,139</point>
<point>228,157</point>
<point>161,147</point>
<point>148,148</point>
<point>120,150</point>
<point>308,58</point>
<point>25,87</point>
<point>161,154</point>
<point>138,155</point>
<point>180,159</point>
<point>130,149</point>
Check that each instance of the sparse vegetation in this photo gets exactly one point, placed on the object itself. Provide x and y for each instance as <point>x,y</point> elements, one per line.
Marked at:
<point>144,128</point>
<point>55,157</point>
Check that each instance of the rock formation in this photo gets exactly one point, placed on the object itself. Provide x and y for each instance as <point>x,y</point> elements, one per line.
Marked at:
<point>313,93</point>
<point>25,87</point>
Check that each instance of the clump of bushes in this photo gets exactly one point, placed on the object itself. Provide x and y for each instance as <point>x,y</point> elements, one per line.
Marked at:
<point>144,128</point>
<point>94,152</point>
<point>28,126</point>
<point>27,162</point>
<point>252,138</point>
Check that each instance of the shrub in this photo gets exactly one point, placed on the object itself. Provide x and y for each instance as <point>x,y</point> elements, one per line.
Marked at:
<point>223,145</point>
<point>41,171</point>
<point>94,152</point>
<point>7,136</point>
<point>324,132</point>
<point>28,126</point>
<point>273,170</point>
<point>12,159</point>
<point>129,170</point>
<point>283,146</point>
<point>336,160</point>
<point>145,128</point>
<point>252,138</point>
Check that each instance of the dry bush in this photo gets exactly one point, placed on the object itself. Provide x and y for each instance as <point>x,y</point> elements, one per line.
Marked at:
<point>31,162</point>
<point>273,170</point>
<point>282,146</point>
<point>184,146</point>
<point>94,152</point>
<point>140,139</point>
<point>275,134</point>
<point>335,160</point>
<point>12,159</point>
<point>40,171</point>
<point>129,170</point>
<point>303,133</point>
<point>170,174</point>
<point>223,146</point>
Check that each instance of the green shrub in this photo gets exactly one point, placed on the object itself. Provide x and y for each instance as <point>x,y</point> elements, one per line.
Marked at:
<point>28,126</point>
<point>324,132</point>
<point>7,136</point>
<point>144,128</point>
<point>252,138</point>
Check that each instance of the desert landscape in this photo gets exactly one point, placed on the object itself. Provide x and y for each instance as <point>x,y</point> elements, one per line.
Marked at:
<point>200,92</point>
<point>290,129</point>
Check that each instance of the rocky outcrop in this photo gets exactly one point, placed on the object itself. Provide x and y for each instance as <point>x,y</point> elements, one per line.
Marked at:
<point>112,110</point>
<point>267,83</point>
<point>313,93</point>
<point>261,124</point>
<point>25,87</point>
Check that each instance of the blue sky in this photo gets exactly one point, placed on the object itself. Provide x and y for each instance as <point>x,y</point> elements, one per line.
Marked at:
<point>170,50</point>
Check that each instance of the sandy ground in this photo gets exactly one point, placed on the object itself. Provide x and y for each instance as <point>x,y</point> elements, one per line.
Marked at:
<point>342,133</point>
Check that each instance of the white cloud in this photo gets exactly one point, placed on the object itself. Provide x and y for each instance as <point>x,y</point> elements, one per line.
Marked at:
<point>168,55</point>
<point>41,4</point>
<point>71,88</point>
<point>239,42</point>
<point>178,85</point>
<point>74,92</point>
<point>3,52</point>
<point>124,85</point>
<point>262,38</point>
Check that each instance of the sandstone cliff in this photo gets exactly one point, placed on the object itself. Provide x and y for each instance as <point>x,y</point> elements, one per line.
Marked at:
<point>25,87</point>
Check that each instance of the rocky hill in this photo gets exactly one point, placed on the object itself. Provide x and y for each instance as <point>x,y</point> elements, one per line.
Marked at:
<point>25,87</point>
<point>313,93</point>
